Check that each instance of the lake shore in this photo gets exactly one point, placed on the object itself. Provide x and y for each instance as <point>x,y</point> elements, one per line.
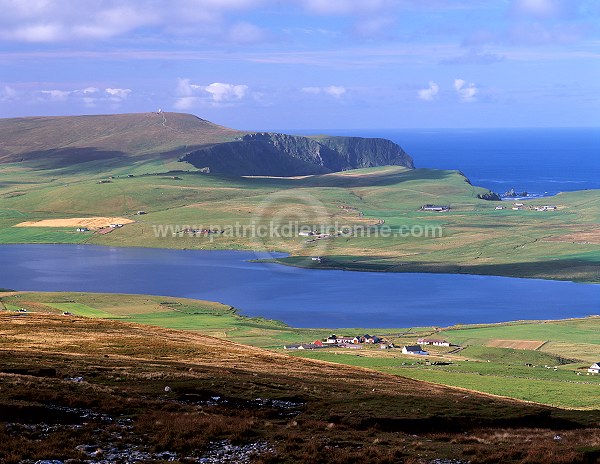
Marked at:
<point>541,361</point>
<point>299,297</point>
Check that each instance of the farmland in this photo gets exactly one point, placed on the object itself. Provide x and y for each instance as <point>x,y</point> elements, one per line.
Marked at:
<point>382,204</point>
<point>548,374</point>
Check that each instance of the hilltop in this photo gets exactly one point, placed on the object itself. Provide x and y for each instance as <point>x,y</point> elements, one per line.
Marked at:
<point>103,143</point>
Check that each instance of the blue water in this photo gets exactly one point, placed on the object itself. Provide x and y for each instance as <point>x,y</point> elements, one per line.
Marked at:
<point>538,161</point>
<point>299,297</point>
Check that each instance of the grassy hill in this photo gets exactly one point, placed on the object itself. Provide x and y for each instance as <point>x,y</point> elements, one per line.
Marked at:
<point>473,237</point>
<point>82,388</point>
<point>149,141</point>
<point>61,142</point>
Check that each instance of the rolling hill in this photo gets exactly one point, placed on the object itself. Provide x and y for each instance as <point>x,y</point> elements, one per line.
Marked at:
<point>107,142</point>
<point>90,389</point>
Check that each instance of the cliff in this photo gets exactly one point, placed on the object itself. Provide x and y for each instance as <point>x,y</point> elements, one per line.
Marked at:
<point>273,154</point>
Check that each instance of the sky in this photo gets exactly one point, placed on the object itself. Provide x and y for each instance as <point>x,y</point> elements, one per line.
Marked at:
<point>307,64</point>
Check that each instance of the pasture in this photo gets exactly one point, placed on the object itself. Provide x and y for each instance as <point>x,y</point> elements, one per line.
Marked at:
<point>382,205</point>
<point>555,373</point>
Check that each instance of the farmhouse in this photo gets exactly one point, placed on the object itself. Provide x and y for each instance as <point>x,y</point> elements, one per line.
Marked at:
<point>414,349</point>
<point>346,341</point>
<point>331,340</point>
<point>432,341</point>
<point>436,208</point>
<point>371,339</point>
<point>546,208</point>
<point>594,368</point>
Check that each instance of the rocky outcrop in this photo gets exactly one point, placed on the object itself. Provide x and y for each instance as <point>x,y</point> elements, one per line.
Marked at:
<point>490,196</point>
<point>273,154</point>
<point>512,193</point>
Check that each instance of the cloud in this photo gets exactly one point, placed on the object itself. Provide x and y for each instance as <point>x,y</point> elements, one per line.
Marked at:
<point>541,22</point>
<point>467,92</point>
<point>541,8</point>
<point>47,21</point>
<point>244,32</point>
<point>117,94</point>
<point>474,57</point>
<point>35,33</point>
<point>8,94</point>
<point>216,94</point>
<point>344,7</point>
<point>222,92</point>
<point>184,87</point>
<point>90,96</point>
<point>185,103</point>
<point>311,90</point>
<point>430,93</point>
<point>374,26</point>
<point>57,95</point>
<point>335,91</point>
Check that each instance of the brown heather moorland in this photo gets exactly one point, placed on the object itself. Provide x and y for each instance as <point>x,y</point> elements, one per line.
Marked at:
<point>70,385</point>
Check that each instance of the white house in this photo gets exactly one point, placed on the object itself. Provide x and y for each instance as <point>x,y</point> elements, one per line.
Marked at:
<point>594,368</point>
<point>414,349</point>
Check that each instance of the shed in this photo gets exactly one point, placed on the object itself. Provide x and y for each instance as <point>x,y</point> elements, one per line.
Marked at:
<point>594,368</point>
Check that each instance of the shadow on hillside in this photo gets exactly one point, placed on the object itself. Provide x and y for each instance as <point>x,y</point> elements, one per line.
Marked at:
<point>71,159</point>
<point>342,179</point>
<point>560,269</point>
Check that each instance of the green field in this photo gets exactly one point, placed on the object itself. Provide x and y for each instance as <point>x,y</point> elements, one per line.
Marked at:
<point>546,375</point>
<point>562,388</point>
<point>210,318</point>
<point>472,238</point>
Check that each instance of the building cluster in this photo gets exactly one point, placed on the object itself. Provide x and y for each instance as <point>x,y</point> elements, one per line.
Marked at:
<point>435,208</point>
<point>522,206</point>
<point>341,341</point>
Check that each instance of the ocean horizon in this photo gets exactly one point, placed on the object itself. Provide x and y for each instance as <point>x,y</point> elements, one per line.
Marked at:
<point>539,161</point>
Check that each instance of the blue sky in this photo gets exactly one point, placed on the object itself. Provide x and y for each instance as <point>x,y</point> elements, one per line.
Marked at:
<point>307,64</point>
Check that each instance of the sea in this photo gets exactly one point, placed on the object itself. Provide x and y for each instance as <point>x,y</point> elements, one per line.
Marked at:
<point>539,161</point>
